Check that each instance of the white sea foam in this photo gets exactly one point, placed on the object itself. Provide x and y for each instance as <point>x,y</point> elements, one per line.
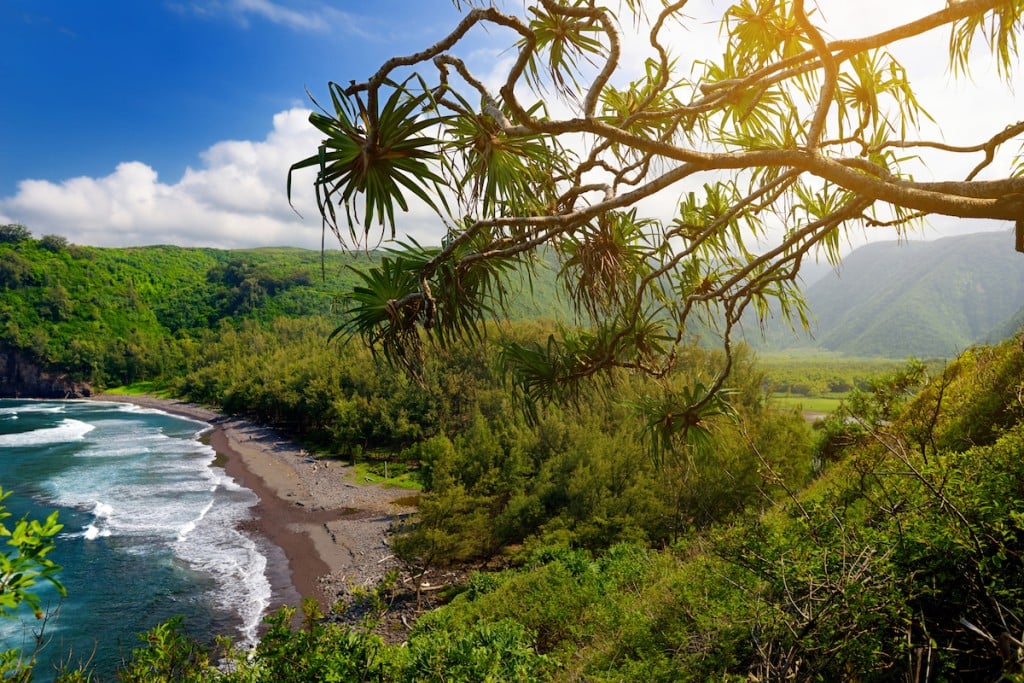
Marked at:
<point>98,526</point>
<point>92,532</point>
<point>143,410</point>
<point>191,524</point>
<point>215,546</point>
<point>67,430</point>
<point>33,407</point>
<point>145,480</point>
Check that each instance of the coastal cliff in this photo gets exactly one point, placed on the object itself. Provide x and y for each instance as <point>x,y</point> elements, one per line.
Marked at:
<point>23,377</point>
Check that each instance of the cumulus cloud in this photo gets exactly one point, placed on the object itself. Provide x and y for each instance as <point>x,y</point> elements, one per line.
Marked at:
<point>235,198</point>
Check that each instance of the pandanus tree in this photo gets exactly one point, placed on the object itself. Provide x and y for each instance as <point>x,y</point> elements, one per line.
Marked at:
<point>773,148</point>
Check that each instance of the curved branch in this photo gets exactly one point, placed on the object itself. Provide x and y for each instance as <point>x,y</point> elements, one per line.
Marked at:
<point>843,49</point>
<point>989,147</point>
<point>828,87</point>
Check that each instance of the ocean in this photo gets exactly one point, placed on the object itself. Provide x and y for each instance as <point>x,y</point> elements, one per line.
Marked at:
<point>151,529</point>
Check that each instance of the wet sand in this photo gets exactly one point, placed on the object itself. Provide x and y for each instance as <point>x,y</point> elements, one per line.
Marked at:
<point>332,531</point>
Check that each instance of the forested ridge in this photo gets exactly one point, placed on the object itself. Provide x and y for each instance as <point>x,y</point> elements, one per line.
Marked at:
<point>926,299</point>
<point>104,317</point>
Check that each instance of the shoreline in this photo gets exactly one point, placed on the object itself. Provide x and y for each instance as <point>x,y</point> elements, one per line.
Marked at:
<point>332,533</point>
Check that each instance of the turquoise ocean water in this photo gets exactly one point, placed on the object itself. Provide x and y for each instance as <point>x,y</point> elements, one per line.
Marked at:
<point>151,529</point>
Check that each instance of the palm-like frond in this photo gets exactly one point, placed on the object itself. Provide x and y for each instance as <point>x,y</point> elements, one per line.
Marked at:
<point>396,306</point>
<point>398,159</point>
<point>467,292</point>
<point>564,39</point>
<point>681,419</point>
<point>603,262</point>
<point>641,107</point>
<point>1000,28</point>
<point>761,31</point>
<point>505,174</point>
<point>859,93</point>
<point>567,364</point>
<point>545,373</point>
<point>384,310</point>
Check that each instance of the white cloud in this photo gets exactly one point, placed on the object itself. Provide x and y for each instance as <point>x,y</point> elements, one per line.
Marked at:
<point>236,198</point>
<point>309,17</point>
<point>280,14</point>
<point>241,11</point>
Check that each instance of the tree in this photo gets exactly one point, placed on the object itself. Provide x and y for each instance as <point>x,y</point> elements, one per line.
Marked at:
<point>54,243</point>
<point>13,233</point>
<point>793,138</point>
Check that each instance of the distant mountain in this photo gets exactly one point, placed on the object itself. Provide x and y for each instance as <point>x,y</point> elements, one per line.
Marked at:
<point>1006,329</point>
<point>923,299</point>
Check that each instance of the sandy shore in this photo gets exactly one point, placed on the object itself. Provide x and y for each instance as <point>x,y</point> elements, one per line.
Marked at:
<point>332,531</point>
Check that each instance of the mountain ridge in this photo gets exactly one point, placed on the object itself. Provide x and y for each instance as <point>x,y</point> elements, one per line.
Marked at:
<point>923,299</point>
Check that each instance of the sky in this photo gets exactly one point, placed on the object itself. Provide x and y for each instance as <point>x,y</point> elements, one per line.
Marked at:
<point>132,122</point>
<point>127,122</point>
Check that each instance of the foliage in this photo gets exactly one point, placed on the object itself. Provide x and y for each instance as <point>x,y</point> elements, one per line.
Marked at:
<point>815,374</point>
<point>375,156</point>
<point>776,147</point>
<point>491,477</point>
<point>316,652</point>
<point>26,564</point>
<point>22,566</point>
<point>900,560</point>
<point>900,563</point>
<point>14,232</point>
<point>493,651</point>
<point>168,656</point>
<point>582,474</point>
<point>106,317</point>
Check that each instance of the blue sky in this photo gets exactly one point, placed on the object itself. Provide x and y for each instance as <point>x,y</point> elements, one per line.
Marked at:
<point>128,122</point>
<point>92,85</point>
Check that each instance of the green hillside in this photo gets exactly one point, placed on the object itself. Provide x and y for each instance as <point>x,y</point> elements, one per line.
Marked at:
<point>104,316</point>
<point>923,299</point>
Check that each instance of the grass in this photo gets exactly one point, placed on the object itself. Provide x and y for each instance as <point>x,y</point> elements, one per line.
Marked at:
<point>398,476</point>
<point>139,389</point>
<point>814,404</point>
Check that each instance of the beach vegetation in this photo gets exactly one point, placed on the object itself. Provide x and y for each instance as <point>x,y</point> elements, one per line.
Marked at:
<point>24,564</point>
<point>386,473</point>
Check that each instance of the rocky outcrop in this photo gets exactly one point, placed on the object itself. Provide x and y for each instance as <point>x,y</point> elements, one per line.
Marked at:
<point>23,377</point>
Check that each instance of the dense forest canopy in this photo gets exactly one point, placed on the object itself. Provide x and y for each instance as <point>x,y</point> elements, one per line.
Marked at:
<point>797,138</point>
<point>889,550</point>
<point>105,317</point>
